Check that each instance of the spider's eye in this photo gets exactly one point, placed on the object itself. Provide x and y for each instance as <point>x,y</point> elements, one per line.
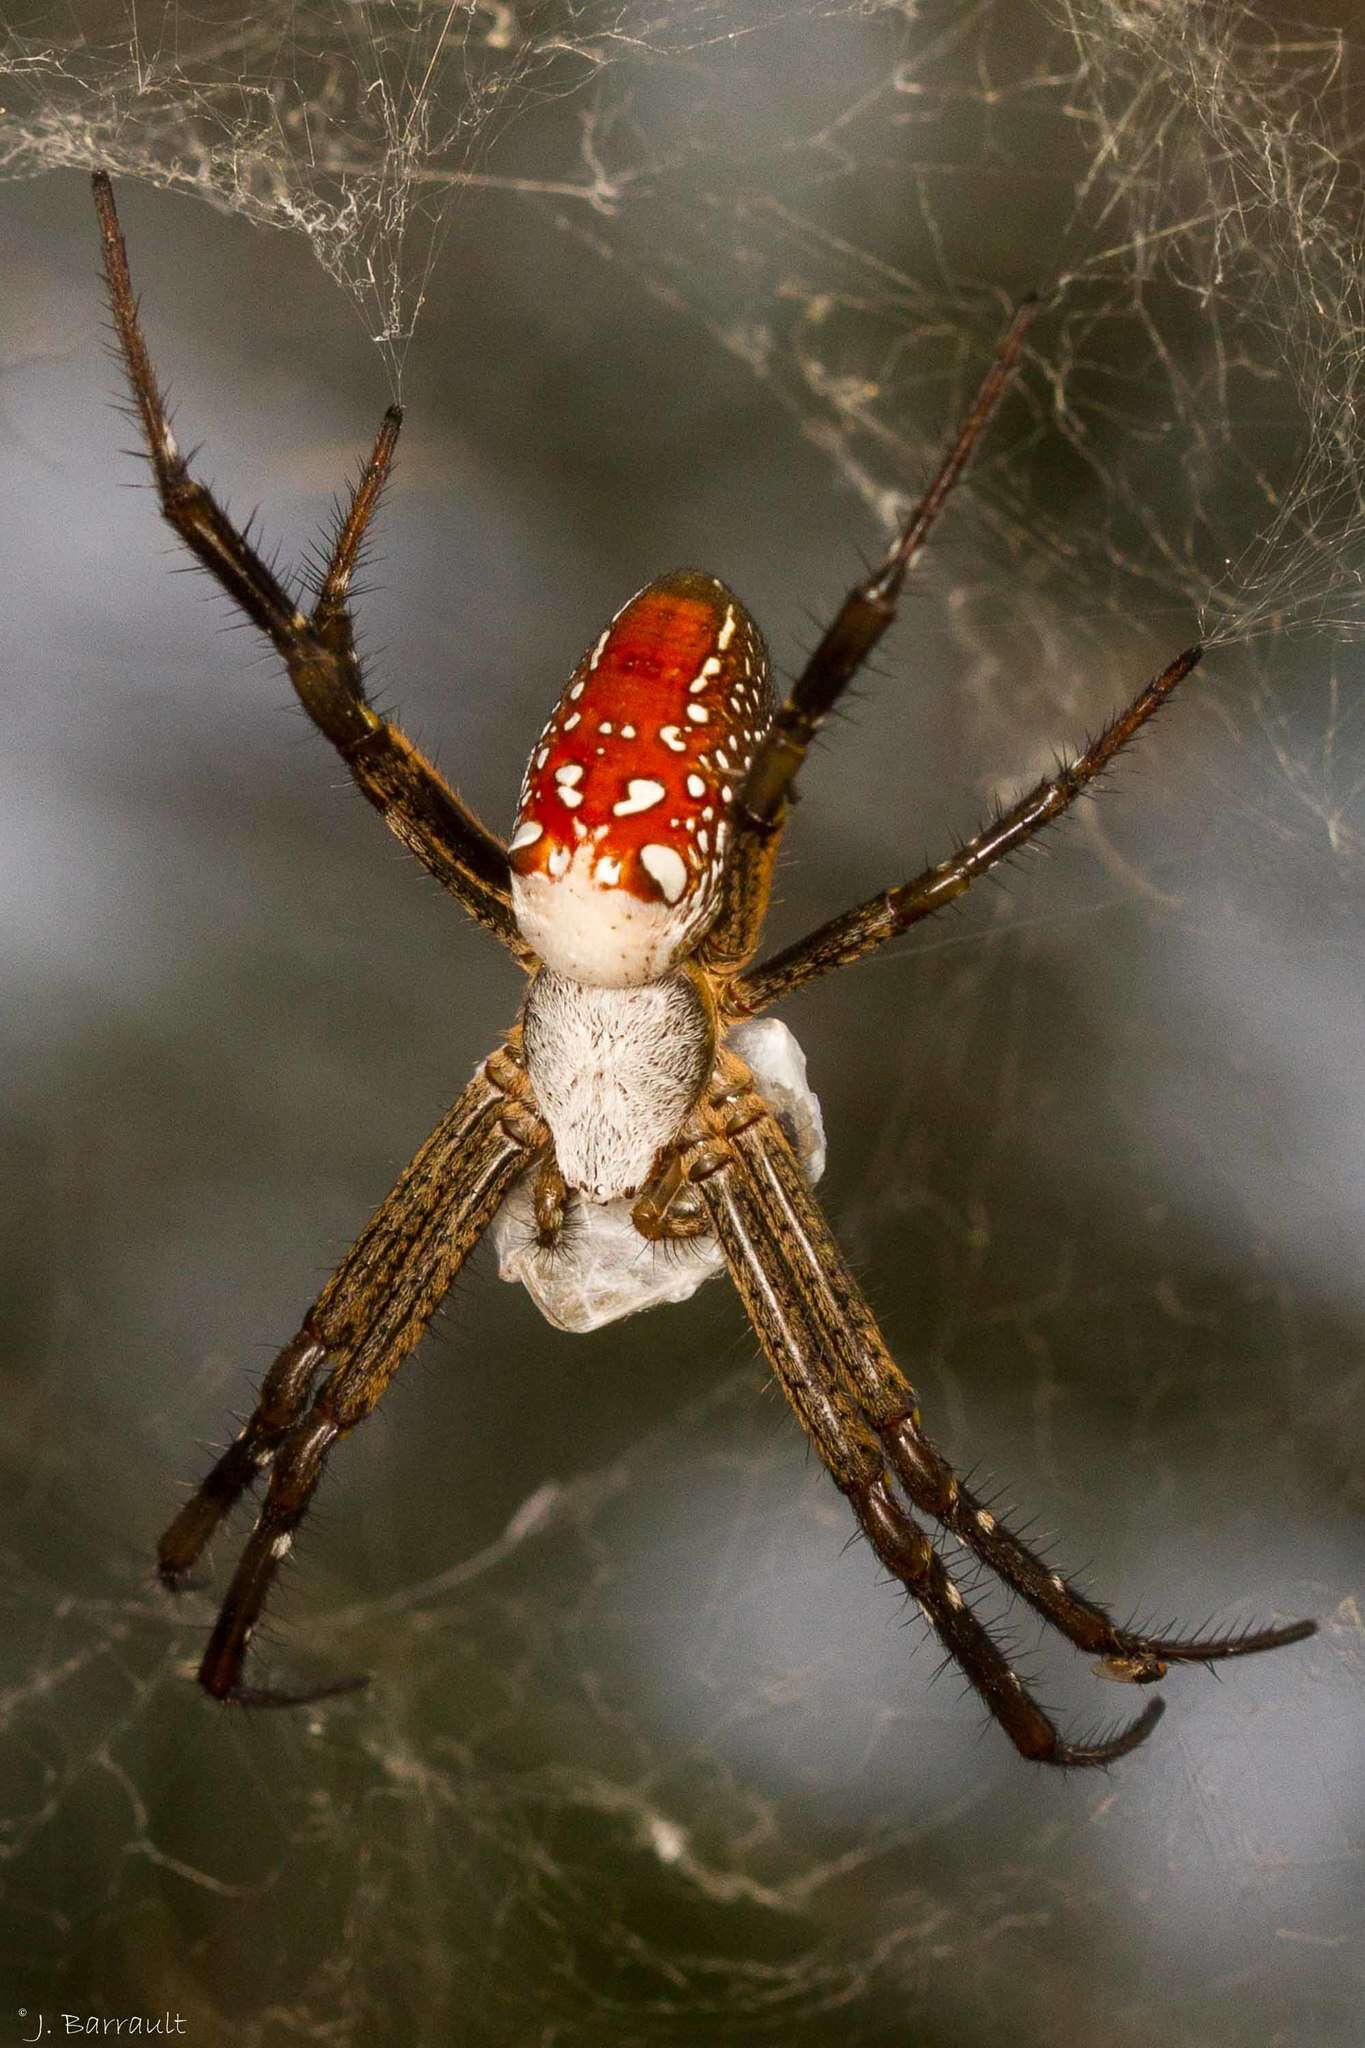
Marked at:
<point>621,833</point>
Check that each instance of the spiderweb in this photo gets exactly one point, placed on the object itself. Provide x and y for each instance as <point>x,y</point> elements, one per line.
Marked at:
<point>642,1760</point>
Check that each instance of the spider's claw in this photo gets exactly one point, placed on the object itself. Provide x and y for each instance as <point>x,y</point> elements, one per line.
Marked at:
<point>276,1696</point>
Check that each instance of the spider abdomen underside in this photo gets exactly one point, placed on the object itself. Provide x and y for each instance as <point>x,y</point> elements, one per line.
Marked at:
<point>614,1072</point>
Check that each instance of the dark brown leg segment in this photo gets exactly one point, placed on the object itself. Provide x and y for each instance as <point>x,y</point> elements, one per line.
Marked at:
<point>909,1556</point>
<point>868,610</point>
<point>890,1404</point>
<point>869,926</point>
<point>319,652</point>
<point>284,1396</point>
<point>366,1274</point>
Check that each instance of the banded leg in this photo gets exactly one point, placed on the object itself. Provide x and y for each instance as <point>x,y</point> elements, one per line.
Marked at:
<point>872,924</point>
<point>319,653</point>
<point>761,807</point>
<point>838,1310</point>
<point>283,1398</point>
<point>822,1340</point>
<point>827,1406</point>
<point>367,1319</point>
<point>365,1274</point>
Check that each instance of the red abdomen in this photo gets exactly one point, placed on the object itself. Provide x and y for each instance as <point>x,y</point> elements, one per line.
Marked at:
<point>623,823</point>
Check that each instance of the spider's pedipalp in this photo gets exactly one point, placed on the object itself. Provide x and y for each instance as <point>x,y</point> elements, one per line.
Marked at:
<point>614,1258</point>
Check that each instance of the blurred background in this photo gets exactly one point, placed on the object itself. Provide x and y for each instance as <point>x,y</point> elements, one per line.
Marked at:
<point>650,1754</point>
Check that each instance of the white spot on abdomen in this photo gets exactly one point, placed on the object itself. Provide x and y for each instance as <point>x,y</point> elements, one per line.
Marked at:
<point>666,866</point>
<point>641,795</point>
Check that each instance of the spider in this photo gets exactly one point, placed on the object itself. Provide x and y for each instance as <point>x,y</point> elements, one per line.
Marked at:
<point>632,891</point>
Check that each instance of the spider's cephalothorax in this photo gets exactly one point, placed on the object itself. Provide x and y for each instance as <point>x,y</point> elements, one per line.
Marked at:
<point>637,1084</point>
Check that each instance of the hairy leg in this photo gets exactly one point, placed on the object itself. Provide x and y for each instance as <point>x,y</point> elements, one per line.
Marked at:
<point>761,807</point>
<point>369,1316</point>
<point>414,800</point>
<point>837,1309</point>
<point>819,1334</point>
<point>871,925</point>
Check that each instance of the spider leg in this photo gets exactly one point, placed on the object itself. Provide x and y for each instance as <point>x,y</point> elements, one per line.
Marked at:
<point>862,930</point>
<point>413,798</point>
<point>369,1316</point>
<point>331,607</point>
<point>822,1341</point>
<point>887,1400</point>
<point>909,1556</point>
<point>761,807</point>
<point>367,1270</point>
<point>284,1395</point>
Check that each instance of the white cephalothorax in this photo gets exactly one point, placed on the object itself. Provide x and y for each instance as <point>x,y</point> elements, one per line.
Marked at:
<point>615,1071</point>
